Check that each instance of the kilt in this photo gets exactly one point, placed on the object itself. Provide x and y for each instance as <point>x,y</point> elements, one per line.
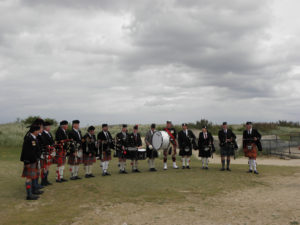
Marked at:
<point>45,163</point>
<point>60,160</point>
<point>88,160</point>
<point>72,160</point>
<point>121,154</point>
<point>151,153</point>
<point>204,154</point>
<point>132,155</point>
<point>184,152</point>
<point>106,156</point>
<point>227,150</point>
<point>251,153</point>
<point>30,171</point>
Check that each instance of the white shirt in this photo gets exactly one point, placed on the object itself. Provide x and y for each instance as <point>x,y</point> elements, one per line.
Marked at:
<point>77,133</point>
<point>33,135</point>
<point>205,135</point>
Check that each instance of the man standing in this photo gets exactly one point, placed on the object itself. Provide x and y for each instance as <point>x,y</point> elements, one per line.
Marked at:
<point>251,143</point>
<point>206,146</point>
<point>186,141</point>
<point>136,142</point>
<point>47,143</point>
<point>122,140</point>
<point>61,138</point>
<point>75,156</point>
<point>89,151</point>
<point>105,143</point>
<point>151,152</point>
<point>227,144</point>
<point>28,156</point>
<point>172,150</point>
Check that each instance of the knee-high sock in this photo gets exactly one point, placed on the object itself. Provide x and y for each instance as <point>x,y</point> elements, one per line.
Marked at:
<point>57,173</point>
<point>90,169</point>
<point>76,170</point>
<point>28,188</point>
<point>203,161</point>
<point>206,162</point>
<point>183,161</point>
<point>188,161</point>
<point>107,163</point>
<point>149,163</point>
<point>103,166</point>
<point>228,163</point>
<point>72,169</point>
<point>254,164</point>
<point>250,164</point>
<point>223,163</point>
<point>61,172</point>
<point>152,162</point>
<point>86,170</point>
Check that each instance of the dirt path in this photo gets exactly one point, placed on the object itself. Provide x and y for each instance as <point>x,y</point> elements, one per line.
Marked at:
<point>277,202</point>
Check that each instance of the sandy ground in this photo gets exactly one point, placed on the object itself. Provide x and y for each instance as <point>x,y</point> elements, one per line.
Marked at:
<point>251,206</point>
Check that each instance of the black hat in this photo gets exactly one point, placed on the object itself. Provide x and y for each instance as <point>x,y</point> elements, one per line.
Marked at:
<point>75,122</point>
<point>47,124</point>
<point>136,127</point>
<point>224,123</point>
<point>64,122</point>
<point>204,127</point>
<point>153,125</point>
<point>124,125</point>
<point>169,121</point>
<point>38,121</point>
<point>184,124</point>
<point>104,125</point>
<point>34,128</point>
<point>91,128</point>
<point>249,123</point>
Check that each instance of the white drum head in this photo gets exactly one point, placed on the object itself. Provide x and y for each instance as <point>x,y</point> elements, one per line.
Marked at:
<point>142,150</point>
<point>157,140</point>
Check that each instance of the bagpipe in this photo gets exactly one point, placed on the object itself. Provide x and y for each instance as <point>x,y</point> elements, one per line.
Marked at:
<point>105,146</point>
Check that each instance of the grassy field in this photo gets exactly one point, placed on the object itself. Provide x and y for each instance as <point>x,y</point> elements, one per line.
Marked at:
<point>68,202</point>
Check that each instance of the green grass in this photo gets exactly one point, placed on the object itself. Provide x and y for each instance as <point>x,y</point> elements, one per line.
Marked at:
<point>64,202</point>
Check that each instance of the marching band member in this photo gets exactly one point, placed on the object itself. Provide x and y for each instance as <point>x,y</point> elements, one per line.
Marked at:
<point>47,142</point>
<point>105,143</point>
<point>227,144</point>
<point>135,141</point>
<point>74,159</point>
<point>151,152</point>
<point>206,146</point>
<point>251,143</point>
<point>172,150</point>
<point>60,158</point>
<point>29,157</point>
<point>186,141</point>
<point>89,151</point>
<point>122,139</point>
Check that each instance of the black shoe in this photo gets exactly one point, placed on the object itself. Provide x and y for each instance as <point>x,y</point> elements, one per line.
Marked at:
<point>107,174</point>
<point>37,192</point>
<point>203,167</point>
<point>48,183</point>
<point>58,181</point>
<point>87,176</point>
<point>223,169</point>
<point>154,170</point>
<point>228,169</point>
<point>32,197</point>
<point>91,175</point>
<point>255,172</point>
<point>44,182</point>
<point>249,171</point>
<point>63,180</point>
<point>103,174</point>
<point>78,178</point>
<point>124,172</point>
<point>188,167</point>
<point>73,178</point>
<point>206,168</point>
<point>137,171</point>
<point>183,167</point>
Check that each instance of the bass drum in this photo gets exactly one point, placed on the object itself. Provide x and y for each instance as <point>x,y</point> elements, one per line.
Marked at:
<point>160,140</point>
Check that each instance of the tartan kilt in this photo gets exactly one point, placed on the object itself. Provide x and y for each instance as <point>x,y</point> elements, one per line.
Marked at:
<point>251,153</point>
<point>72,161</point>
<point>88,160</point>
<point>59,160</point>
<point>45,163</point>
<point>121,154</point>
<point>151,153</point>
<point>31,171</point>
<point>183,152</point>
<point>106,156</point>
<point>227,150</point>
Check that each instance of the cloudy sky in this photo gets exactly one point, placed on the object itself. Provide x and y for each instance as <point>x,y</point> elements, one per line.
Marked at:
<point>139,61</point>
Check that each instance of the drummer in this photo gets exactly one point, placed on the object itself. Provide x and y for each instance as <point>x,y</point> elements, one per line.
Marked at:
<point>135,141</point>
<point>172,150</point>
<point>151,152</point>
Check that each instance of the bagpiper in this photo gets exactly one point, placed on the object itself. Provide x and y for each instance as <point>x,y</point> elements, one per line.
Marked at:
<point>89,145</point>
<point>61,139</point>
<point>172,150</point>
<point>151,152</point>
<point>187,142</point>
<point>75,150</point>
<point>251,143</point>
<point>227,144</point>
<point>48,152</point>
<point>122,141</point>
<point>135,141</point>
<point>30,160</point>
<point>105,143</point>
<point>206,146</point>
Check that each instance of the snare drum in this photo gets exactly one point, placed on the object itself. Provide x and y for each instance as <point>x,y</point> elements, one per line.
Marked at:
<point>131,152</point>
<point>160,140</point>
<point>141,154</point>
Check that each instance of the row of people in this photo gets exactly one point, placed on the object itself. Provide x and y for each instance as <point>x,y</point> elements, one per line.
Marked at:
<point>40,150</point>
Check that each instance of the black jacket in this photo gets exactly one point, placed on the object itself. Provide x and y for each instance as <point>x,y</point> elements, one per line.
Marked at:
<point>206,142</point>
<point>105,143</point>
<point>135,141</point>
<point>60,134</point>
<point>229,135</point>
<point>46,139</point>
<point>249,138</point>
<point>89,144</point>
<point>29,150</point>
<point>121,140</point>
<point>186,141</point>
